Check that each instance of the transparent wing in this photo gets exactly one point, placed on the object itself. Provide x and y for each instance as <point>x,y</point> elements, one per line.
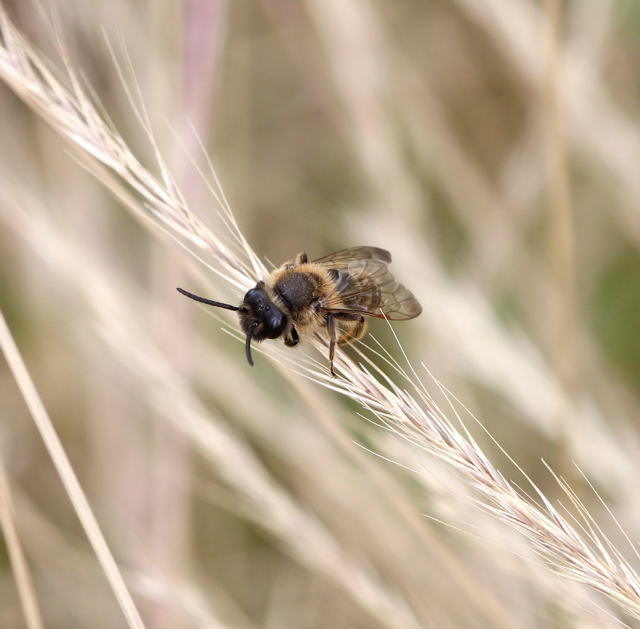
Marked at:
<point>365,285</point>
<point>341,259</point>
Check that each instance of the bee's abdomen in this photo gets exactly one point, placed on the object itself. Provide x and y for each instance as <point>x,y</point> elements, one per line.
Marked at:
<point>297,290</point>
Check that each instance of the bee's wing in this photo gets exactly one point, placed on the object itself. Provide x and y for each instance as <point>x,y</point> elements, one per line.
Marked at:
<point>341,259</point>
<point>365,285</point>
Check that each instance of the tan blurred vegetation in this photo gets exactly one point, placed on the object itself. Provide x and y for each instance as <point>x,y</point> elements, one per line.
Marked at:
<point>239,497</point>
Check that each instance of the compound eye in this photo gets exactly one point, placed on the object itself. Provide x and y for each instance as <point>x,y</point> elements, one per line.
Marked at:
<point>275,325</point>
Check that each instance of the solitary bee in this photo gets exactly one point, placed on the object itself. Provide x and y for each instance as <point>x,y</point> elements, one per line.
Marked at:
<point>331,295</point>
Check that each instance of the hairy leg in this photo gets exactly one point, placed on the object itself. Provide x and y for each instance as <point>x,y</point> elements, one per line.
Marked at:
<point>291,338</point>
<point>331,328</point>
<point>301,258</point>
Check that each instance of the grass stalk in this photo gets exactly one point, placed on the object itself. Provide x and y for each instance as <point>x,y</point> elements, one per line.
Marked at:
<point>561,244</point>
<point>67,475</point>
<point>21,572</point>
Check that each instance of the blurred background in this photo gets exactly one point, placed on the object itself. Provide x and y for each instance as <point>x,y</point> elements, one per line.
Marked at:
<point>501,171</point>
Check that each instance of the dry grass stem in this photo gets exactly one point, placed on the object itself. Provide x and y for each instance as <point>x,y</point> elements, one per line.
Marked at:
<point>21,572</point>
<point>561,242</point>
<point>67,475</point>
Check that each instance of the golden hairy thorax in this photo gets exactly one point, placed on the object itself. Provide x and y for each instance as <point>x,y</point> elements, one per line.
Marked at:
<point>301,291</point>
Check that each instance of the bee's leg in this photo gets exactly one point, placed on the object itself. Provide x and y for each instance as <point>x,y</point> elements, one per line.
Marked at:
<point>291,339</point>
<point>301,258</point>
<point>331,328</point>
<point>352,331</point>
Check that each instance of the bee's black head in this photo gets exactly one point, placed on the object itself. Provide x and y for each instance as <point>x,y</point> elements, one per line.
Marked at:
<point>260,318</point>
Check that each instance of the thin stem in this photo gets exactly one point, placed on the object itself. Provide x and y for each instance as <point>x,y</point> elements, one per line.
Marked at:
<point>560,242</point>
<point>67,475</point>
<point>21,571</point>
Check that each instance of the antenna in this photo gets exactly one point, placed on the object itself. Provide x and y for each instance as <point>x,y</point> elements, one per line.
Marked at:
<point>210,302</point>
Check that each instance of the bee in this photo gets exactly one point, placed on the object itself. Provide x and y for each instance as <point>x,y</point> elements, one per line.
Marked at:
<point>331,296</point>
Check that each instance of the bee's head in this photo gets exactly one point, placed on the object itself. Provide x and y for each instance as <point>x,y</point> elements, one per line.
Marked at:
<point>260,318</point>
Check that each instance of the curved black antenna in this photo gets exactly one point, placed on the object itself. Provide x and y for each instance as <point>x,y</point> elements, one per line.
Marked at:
<point>247,347</point>
<point>218,304</point>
